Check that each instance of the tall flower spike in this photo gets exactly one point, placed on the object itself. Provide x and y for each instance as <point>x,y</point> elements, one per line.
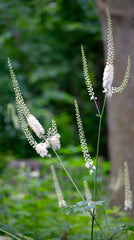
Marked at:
<point>23,113</point>
<point>124,83</point>
<point>88,160</point>
<point>110,56</point>
<point>86,75</point>
<point>128,192</point>
<point>17,90</point>
<point>108,74</point>
<point>32,121</point>
<point>58,191</point>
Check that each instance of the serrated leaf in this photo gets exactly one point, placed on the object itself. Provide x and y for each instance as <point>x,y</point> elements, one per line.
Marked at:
<point>82,206</point>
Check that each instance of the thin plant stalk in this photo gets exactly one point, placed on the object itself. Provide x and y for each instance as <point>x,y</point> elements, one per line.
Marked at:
<point>11,235</point>
<point>97,107</point>
<point>68,174</point>
<point>93,216</point>
<point>105,216</point>
<point>68,226</point>
<point>97,161</point>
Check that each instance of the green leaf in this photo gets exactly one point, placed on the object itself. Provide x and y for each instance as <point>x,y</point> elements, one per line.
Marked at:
<point>82,206</point>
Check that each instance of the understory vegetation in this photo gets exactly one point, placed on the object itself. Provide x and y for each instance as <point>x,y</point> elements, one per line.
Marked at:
<point>29,205</point>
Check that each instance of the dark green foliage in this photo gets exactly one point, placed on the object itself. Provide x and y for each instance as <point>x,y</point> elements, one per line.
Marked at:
<point>42,39</point>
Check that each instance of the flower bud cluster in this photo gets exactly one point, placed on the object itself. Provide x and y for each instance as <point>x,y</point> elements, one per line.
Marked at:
<point>86,154</point>
<point>58,190</point>
<point>86,76</point>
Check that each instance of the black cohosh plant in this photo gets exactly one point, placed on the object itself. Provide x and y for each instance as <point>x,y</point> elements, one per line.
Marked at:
<point>51,139</point>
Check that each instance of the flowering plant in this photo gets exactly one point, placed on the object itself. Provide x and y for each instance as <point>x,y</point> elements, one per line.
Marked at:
<point>51,138</point>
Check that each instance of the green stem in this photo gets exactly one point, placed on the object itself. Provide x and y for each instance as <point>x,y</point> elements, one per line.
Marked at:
<point>68,226</point>
<point>97,107</point>
<point>9,234</point>
<point>98,147</point>
<point>93,216</point>
<point>105,216</point>
<point>97,161</point>
<point>68,175</point>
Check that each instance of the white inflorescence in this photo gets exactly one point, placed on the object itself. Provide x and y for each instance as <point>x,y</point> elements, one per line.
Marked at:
<point>58,190</point>
<point>86,76</point>
<point>108,74</point>
<point>24,114</point>
<point>21,108</point>
<point>53,136</point>
<point>124,83</point>
<point>86,154</point>
<point>128,192</point>
<point>108,77</point>
<point>35,125</point>
<point>41,149</point>
<point>18,95</point>
<point>110,42</point>
<point>55,141</point>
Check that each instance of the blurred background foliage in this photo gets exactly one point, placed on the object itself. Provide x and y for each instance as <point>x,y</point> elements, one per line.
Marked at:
<point>43,39</point>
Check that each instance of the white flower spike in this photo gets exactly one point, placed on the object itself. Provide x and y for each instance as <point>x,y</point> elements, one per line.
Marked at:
<point>35,125</point>
<point>86,76</point>
<point>58,190</point>
<point>86,154</point>
<point>108,74</point>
